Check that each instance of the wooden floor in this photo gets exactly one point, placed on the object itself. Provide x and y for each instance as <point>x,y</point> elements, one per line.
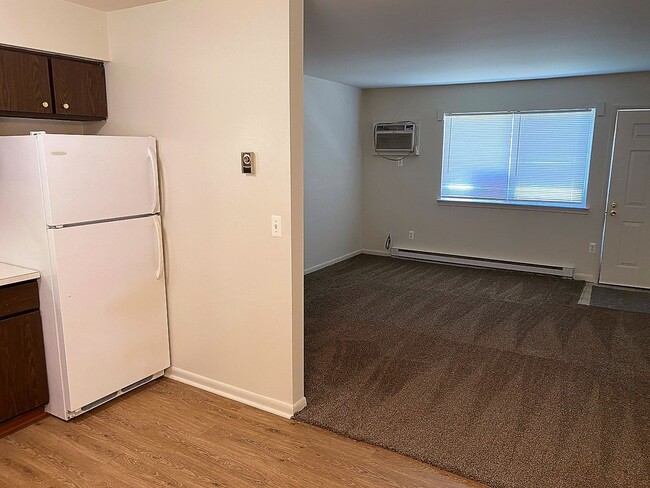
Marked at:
<point>170,434</point>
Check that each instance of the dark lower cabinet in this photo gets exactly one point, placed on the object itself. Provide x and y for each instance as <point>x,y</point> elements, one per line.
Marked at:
<point>23,375</point>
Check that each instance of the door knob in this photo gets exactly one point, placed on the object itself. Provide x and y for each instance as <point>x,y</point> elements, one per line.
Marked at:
<point>614,204</point>
<point>613,213</point>
<point>45,104</point>
<point>66,106</point>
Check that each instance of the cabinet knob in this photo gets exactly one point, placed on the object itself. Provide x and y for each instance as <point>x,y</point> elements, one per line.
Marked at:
<point>45,104</point>
<point>66,106</point>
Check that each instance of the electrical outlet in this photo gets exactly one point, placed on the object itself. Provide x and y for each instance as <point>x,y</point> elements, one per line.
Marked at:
<point>592,247</point>
<point>276,226</point>
<point>411,234</point>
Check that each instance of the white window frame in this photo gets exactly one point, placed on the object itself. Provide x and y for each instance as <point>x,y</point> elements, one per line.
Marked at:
<point>529,205</point>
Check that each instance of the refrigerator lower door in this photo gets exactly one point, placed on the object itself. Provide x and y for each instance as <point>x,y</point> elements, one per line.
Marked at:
<point>111,310</point>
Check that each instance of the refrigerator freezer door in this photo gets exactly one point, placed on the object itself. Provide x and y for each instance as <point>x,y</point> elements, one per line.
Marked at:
<point>93,178</point>
<point>112,310</point>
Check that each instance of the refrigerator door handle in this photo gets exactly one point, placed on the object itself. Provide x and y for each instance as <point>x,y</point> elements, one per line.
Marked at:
<point>159,237</point>
<point>151,154</point>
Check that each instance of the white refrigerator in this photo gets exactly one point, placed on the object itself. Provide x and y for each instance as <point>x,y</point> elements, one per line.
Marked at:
<point>84,211</point>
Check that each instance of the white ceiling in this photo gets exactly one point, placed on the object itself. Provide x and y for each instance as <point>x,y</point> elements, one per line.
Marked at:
<point>375,43</point>
<point>109,5</point>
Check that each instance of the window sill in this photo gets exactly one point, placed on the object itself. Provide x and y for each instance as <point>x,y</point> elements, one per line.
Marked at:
<point>512,206</point>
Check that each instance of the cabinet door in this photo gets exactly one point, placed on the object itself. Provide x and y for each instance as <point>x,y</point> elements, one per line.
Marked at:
<point>24,83</point>
<point>23,377</point>
<point>79,88</point>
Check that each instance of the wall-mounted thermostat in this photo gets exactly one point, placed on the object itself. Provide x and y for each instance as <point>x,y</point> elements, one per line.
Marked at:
<point>248,163</point>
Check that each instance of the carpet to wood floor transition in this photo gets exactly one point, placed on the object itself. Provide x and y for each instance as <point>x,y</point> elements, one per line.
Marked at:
<point>500,377</point>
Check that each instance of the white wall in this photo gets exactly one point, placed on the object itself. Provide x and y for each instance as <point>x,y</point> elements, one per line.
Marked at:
<point>333,190</point>
<point>15,126</point>
<point>209,80</point>
<point>54,26</point>
<point>399,199</point>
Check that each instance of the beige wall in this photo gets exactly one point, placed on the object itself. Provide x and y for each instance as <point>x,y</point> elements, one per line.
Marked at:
<point>187,72</point>
<point>14,126</point>
<point>399,199</point>
<point>54,26</point>
<point>332,171</point>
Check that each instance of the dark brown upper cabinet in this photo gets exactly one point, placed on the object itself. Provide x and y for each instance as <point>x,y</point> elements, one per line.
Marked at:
<point>79,88</point>
<point>24,83</point>
<point>50,86</point>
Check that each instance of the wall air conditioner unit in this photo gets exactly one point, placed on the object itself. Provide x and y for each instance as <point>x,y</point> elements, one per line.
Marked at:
<point>399,138</point>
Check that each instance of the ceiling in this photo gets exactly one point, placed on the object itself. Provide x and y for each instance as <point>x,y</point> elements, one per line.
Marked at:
<point>109,5</point>
<point>377,43</point>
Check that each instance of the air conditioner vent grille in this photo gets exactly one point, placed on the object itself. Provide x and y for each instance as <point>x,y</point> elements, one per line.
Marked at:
<point>393,142</point>
<point>395,127</point>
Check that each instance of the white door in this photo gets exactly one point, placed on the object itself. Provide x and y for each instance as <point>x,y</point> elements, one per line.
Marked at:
<point>92,178</point>
<point>626,250</point>
<point>112,314</point>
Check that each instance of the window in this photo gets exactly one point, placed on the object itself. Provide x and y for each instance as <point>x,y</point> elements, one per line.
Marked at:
<point>521,158</point>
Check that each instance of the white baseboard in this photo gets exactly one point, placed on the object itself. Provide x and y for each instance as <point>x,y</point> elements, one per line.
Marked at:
<point>256,400</point>
<point>299,405</point>
<point>374,252</point>
<point>584,277</point>
<point>332,261</point>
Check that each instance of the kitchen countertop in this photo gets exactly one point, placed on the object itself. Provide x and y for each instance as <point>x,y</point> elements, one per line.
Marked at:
<point>10,274</point>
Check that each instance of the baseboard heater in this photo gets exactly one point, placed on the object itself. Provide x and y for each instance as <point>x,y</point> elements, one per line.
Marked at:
<point>481,262</point>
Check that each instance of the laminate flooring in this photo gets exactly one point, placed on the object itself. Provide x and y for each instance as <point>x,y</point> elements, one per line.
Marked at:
<point>170,434</point>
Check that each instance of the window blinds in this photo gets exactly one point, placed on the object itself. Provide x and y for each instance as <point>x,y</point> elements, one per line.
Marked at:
<point>538,158</point>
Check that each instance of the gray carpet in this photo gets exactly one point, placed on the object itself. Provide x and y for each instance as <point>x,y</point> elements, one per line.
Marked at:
<point>500,377</point>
